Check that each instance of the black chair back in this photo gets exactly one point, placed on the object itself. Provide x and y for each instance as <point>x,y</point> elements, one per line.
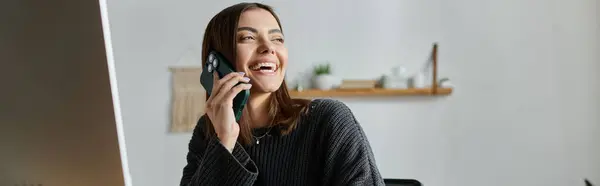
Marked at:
<point>402,182</point>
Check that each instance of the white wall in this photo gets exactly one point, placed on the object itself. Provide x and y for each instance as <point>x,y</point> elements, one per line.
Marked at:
<point>522,114</point>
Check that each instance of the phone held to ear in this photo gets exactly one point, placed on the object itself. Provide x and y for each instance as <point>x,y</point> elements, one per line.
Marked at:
<point>216,63</point>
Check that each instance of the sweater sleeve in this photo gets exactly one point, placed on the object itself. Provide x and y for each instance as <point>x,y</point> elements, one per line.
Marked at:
<point>210,163</point>
<point>349,158</point>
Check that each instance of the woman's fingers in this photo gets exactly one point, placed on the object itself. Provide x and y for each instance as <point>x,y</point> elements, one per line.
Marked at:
<point>231,83</point>
<point>228,85</point>
<point>236,90</point>
<point>217,83</point>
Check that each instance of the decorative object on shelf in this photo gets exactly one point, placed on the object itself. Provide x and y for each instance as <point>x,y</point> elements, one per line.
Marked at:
<point>397,80</point>
<point>188,98</point>
<point>434,69</point>
<point>358,84</point>
<point>434,88</point>
<point>419,80</point>
<point>445,83</point>
<point>587,182</point>
<point>422,78</point>
<point>382,81</point>
<point>323,79</point>
<point>299,86</point>
<point>427,75</point>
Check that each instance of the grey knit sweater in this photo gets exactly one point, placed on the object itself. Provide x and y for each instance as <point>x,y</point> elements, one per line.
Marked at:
<point>328,147</point>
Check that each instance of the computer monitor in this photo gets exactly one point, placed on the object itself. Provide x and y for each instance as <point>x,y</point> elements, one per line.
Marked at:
<point>58,120</point>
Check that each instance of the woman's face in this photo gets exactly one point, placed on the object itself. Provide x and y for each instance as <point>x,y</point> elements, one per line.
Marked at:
<point>261,53</point>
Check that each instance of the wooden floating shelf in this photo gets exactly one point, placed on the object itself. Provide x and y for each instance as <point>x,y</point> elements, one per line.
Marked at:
<point>372,92</point>
<point>434,90</point>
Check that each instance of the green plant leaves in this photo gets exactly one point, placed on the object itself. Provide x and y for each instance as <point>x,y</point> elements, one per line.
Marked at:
<point>322,69</point>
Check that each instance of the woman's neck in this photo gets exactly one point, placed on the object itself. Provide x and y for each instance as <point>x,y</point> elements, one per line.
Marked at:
<point>258,105</point>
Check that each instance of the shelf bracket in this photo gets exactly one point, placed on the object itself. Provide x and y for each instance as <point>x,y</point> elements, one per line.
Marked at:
<point>434,84</point>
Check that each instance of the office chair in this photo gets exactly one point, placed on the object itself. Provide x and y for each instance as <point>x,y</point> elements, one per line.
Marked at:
<point>402,182</point>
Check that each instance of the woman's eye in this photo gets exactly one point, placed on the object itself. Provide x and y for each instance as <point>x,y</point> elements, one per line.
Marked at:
<point>247,38</point>
<point>279,40</point>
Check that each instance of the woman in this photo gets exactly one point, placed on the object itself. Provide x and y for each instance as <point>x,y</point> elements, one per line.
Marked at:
<point>279,140</point>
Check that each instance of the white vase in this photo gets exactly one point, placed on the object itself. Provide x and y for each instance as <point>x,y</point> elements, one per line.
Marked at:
<point>324,82</point>
<point>420,80</point>
<point>397,80</point>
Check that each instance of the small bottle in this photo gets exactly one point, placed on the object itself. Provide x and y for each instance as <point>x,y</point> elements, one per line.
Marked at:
<point>398,79</point>
<point>419,80</point>
<point>299,87</point>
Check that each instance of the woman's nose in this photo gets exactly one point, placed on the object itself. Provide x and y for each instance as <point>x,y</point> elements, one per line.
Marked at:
<point>266,48</point>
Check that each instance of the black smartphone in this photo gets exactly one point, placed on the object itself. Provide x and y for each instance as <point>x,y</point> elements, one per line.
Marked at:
<point>217,63</point>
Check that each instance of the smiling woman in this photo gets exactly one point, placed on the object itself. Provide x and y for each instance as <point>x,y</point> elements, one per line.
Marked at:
<point>278,140</point>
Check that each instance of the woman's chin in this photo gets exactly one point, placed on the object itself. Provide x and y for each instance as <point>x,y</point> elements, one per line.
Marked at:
<point>264,88</point>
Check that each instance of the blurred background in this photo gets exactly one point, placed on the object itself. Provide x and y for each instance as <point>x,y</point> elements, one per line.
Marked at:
<point>523,110</point>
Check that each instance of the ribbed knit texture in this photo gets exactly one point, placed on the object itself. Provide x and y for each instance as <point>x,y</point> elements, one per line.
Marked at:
<point>328,147</point>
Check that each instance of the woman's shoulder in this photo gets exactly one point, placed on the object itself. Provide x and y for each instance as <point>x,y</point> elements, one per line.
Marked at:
<point>331,113</point>
<point>329,107</point>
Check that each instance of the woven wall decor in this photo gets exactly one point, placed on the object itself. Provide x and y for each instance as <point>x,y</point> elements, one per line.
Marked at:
<point>188,98</point>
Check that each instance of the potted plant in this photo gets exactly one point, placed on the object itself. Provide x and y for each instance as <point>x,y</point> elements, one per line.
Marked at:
<point>323,79</point>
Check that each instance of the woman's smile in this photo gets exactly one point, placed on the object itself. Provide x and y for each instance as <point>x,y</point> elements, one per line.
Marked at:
<point>264,68</point>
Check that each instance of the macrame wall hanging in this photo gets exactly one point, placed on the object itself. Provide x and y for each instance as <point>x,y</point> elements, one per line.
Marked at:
<point>188,98</point>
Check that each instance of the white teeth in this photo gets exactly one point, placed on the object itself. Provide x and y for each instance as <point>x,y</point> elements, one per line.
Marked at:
<point>267,71</point>
<point>260,65</point>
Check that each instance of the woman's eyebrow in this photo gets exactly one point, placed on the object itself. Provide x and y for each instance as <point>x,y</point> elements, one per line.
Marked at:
<point>253,30</point>
<point>248,29</point>
<point>276,30</point>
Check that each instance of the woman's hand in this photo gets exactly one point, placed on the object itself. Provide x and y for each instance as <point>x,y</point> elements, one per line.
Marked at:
<point>219,107</point>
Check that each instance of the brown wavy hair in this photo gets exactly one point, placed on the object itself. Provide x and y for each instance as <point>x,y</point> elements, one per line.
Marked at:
<point>220,36</point>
